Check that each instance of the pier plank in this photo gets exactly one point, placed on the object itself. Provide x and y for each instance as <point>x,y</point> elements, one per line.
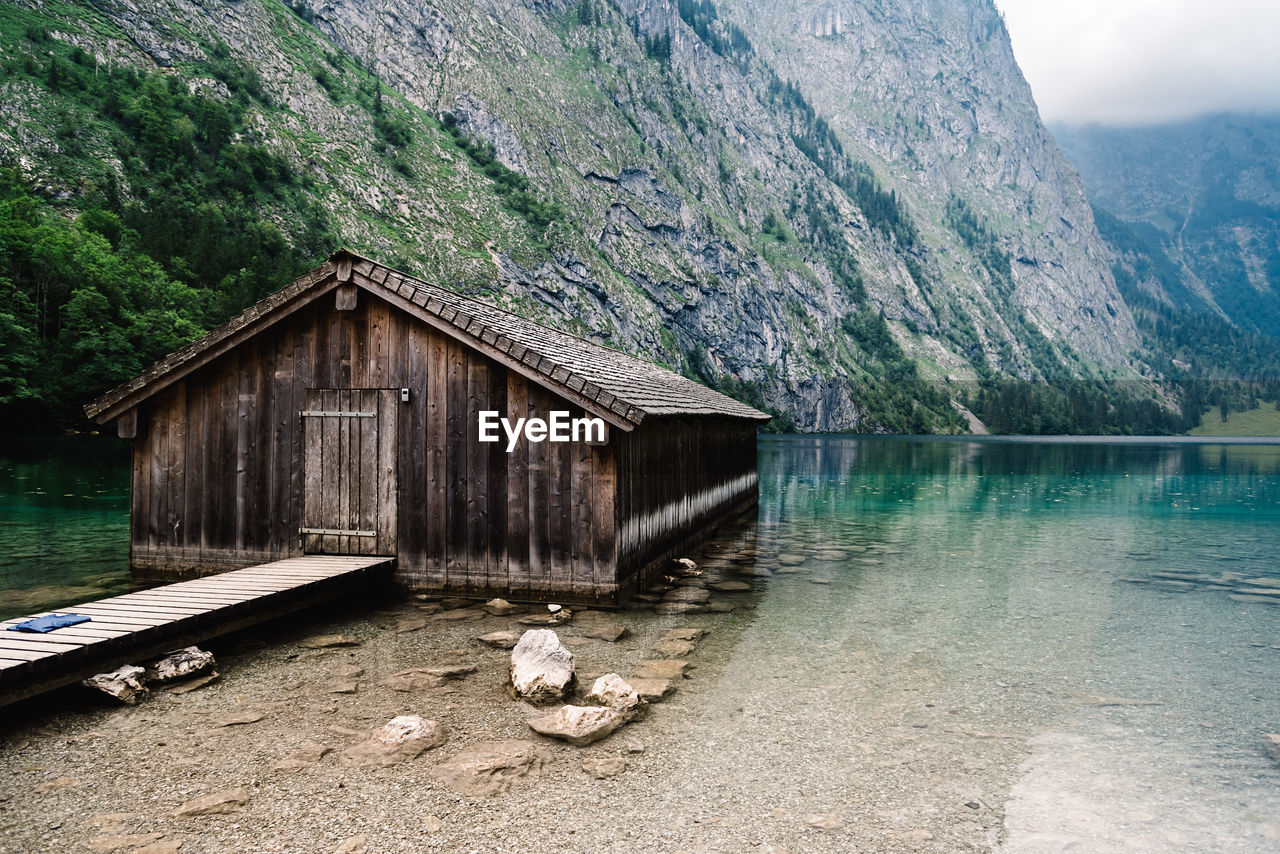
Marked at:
<point>136,626</point>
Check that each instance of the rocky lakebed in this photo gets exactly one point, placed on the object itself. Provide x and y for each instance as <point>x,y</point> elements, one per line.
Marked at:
<point>420,723</point>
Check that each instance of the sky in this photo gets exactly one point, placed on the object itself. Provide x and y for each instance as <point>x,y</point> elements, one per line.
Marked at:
<point>1144,61</point>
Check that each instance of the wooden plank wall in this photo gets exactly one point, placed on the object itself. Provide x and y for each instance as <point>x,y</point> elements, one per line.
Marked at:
<point>675,478</point>
<point>218,462</point>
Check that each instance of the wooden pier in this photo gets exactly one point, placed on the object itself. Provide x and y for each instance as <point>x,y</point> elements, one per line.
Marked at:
<point>136,626</point>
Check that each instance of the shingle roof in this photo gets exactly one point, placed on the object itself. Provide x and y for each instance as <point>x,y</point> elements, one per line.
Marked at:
<point>607,382</point>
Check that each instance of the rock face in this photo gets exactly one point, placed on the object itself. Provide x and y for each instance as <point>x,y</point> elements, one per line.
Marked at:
<point>1164,176</point>
<point>662,247</point>
<point>490,768</point>
<point>401,739</point>
<point>579,725</point>
<point>127,684</point>
<point>541,667</point>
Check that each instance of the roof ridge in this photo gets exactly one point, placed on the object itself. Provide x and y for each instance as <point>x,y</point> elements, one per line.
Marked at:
<point>418,280</point>
<point>622,387</point>
<point>653,370</point>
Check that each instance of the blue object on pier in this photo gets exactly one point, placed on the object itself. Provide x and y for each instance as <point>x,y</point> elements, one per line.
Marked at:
<point>49,623</point>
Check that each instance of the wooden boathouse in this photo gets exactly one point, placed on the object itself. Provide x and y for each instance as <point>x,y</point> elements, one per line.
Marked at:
<point>341,416</point>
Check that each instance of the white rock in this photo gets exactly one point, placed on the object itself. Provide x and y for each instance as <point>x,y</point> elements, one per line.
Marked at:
<point>579,725</point>
<point>126,684</point>
<point>181,664</point>
<point>401,739</point>
<point>402,728</point>
<point>541,667</point>
<point>612,691</point>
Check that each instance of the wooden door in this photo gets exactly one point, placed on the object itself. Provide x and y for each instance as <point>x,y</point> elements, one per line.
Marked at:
<point>349,469</point>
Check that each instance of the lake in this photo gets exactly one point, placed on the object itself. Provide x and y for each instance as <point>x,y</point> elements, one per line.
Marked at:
<point>953,644</point>
<point>64,521</point>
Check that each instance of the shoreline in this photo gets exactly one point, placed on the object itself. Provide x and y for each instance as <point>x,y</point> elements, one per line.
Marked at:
<point>717,765</point>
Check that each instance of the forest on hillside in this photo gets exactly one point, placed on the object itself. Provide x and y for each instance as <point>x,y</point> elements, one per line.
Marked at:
<point>208,219</point>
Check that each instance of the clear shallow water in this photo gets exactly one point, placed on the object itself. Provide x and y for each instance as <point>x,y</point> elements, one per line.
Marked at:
<point>1025,646</point>
<point>1016,646</point>
<point>64,521</point>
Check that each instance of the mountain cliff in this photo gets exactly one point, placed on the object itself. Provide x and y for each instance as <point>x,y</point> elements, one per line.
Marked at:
<point>849,213</point>
<point>1204,197</point>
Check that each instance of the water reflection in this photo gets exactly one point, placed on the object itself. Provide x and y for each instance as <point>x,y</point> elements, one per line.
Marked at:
<point>1079,640</point>
<point>64,517</point>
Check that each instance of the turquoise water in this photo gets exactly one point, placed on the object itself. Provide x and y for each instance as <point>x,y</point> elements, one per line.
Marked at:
<point>64,521</point>
<point>1004,645</point>
<point>997,645</point>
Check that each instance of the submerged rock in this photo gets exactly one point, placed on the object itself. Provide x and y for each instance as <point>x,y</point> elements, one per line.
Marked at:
<point>604,768</point>
<point>117,841</point>
<point>661,669</point>
<point>54,785</point>
<point>824,821</point>
<point>499,608</point>
<point>651,690</point>
<point>542,669</point>
<point>400,739</point>
<point>219,803</point>
<point>579,725</point>
<point>413,680</point>
<point>611,632</point>
<point>458,615</point>
<point>562,616</point>
<point>666,609</point>
<point>672,648</point>
<point>303,757</point>
<point>127,684</point>
<point>684,633</point>
<point>490,768</point>
<point>410,624</point>
<point>1271,742</point>
<point>691,595</point>
<point>500,640</point>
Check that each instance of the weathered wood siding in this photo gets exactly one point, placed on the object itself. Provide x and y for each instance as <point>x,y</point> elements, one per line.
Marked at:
<point>218,462</point>
<point>678,477</point>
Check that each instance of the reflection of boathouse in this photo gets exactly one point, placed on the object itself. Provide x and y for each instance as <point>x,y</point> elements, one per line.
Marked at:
<point>340,416</point>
